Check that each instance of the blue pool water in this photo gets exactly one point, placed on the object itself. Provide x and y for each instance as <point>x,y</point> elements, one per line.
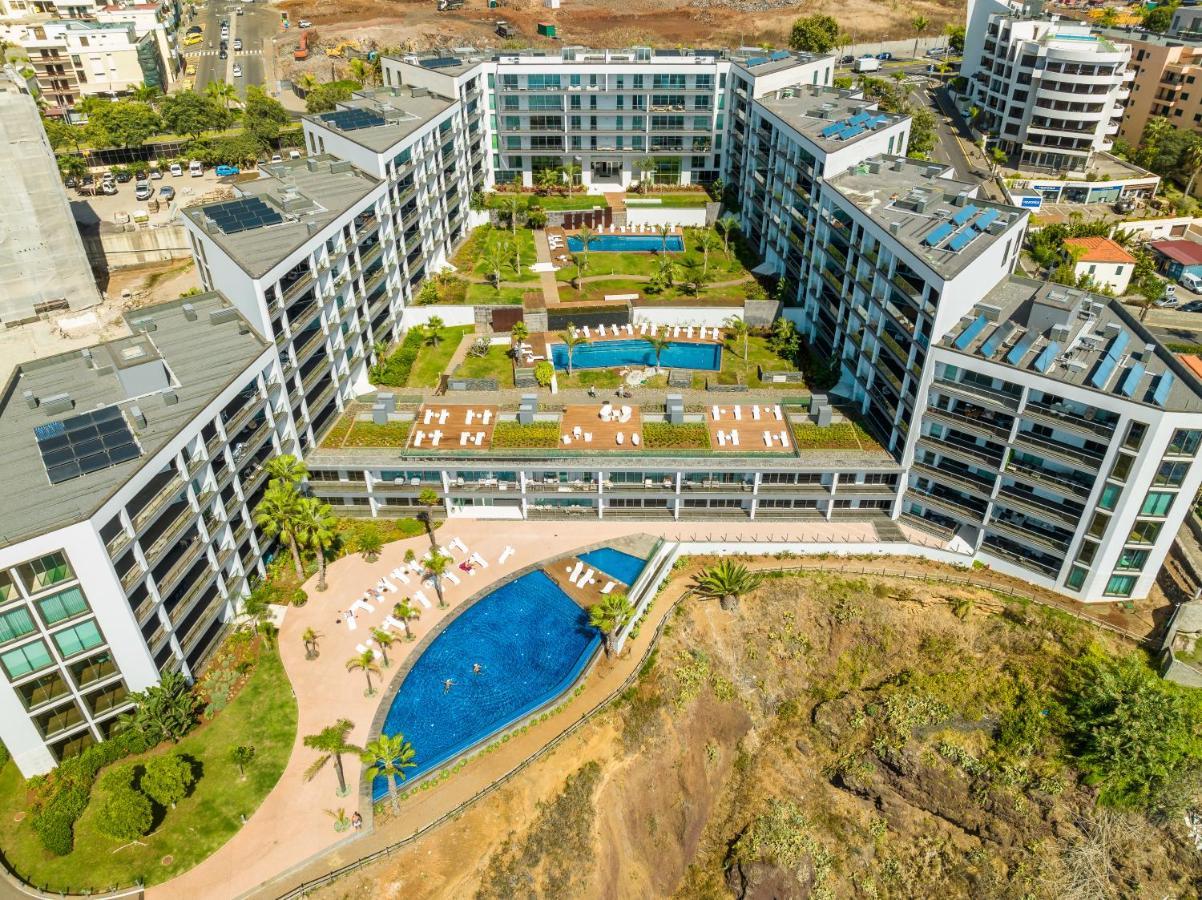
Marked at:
<point>628,243</point>
<point>614,563</point>
<point>605,354</point>
<point>532,642</point>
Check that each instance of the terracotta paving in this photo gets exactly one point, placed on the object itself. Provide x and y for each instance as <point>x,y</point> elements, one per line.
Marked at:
<point>741,428</point>
<point>449,426</point>
<point>584,428</point>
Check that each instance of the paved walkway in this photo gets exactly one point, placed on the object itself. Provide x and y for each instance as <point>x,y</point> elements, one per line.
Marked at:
<point>542,250</point>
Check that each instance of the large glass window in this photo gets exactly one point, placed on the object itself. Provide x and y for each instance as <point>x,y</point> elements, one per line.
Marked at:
<point>1097,526</point>
<point>16,623</point>
<point>1144,533</point>
<point>40,574</point>
<point>1157,503</point>
<point>78,638</point>
<point>1171,474</point>
<point>1076,577</point>
<point>1184,442</point>
<point>25,659</point>
<point>1120,585</point>
<point>1132,560</point>
<point>1110,496</point>
<point>64,605</point>
<point>43,690</point>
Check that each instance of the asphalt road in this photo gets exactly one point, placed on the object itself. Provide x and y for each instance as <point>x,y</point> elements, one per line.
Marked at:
<point>1172,325</point>
<point>255,27</point>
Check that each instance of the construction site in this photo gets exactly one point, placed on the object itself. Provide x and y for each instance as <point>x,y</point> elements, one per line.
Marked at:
<point>357,27</point>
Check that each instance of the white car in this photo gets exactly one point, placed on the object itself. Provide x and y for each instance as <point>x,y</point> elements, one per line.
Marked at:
<point>237,44</point>
<point>294,154</point>
<point>275,157</point>
<point>143,190</point>
<point>305,23</point>
<point>237,71</point>
<point>176,170</point>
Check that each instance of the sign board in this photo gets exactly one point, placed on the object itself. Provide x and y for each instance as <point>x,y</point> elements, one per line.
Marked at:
<point>1032,202</point>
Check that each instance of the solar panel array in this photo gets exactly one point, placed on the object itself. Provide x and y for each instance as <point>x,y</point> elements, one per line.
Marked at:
<point>439,62</point>
<point>967,336</point>
<point>86,443</point>
<point>967,231</point>
<point>1000,335</point>
<point>1163,386</point>
<point>1046,357</point>
<point>1109,361</point>
<point>353,119</point>
<point>243,215</point>
<point>845,129</point>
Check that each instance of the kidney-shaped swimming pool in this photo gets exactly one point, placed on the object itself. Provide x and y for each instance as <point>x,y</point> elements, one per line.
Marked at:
<point>531,642</point>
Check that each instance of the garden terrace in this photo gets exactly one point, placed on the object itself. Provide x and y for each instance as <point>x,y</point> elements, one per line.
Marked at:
<point>453,426</point>
<point>586,427</point>
<point>745,426</point>
<point>499,200</point>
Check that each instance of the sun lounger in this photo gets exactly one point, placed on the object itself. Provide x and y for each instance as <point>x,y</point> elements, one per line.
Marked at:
<point>363,605</point>
<point>675,331</point>
<point>630,329</point>
<point>468,416</point>
<point>588,334</point>
<point>487,416</point>
<point>386,585</point>
<point>417,441</point>
<point>734,437</point>
<point>586,579</point>
<point>451,577</point>
<point>609,586</point>
<point>478,560</point>
<point>721,438</point>
<point>479,441</point>
<point>566,440</point>
<point>689,332</point>
<point>776,412</point>
<point>463,438</point>
<point>738,413</point>
<point>576,572</point>
<point>442,416</point>
<point>601,330</point>
<point>435,438</point>
<point>716,412</point>
<point>588,437</point>
<point>351,624</point>
<point>458,542</point>
<point>399,575</point>
<point>767,438</point>
<point>577,431</point>
<point>634,439</point>
<point>505,554</point>
<point>784,439</point>
<point>755,413</point>
<point>422,599</point>
<point>620,437</point>
<point>394,623</point>
<point>429,415</point>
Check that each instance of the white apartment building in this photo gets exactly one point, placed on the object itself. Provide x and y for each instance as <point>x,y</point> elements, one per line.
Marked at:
<point>1048,91</point>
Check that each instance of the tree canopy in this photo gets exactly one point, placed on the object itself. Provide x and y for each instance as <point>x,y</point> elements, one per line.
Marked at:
<point>815,34</point>
<point>125,124</point>
<point>189,113</point>
<point>263,116</point>
<point>323,97</point>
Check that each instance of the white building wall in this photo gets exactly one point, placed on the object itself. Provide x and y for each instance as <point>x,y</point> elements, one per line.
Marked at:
<point>1115,276</point>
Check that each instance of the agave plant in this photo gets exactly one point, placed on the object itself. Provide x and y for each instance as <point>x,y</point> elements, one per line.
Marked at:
<point>727,581</point>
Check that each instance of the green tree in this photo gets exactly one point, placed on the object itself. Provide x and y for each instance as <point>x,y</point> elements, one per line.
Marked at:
<point>1191,161</point>
<point>404,611</point>
<point>385,639</point>
<point>955,38</point>
<point>189,113</point>
<point>168,779</point>
<point>546,181</point>
<point>369,541</point>
<point>739,331</point>
<point>814,34</point>
<point>125,123</point>
<point>164,711</point>
<point>436,565</point>
<point>659,343</point>
<point>287,468</point>
<point>585,234</point>
<point>664,232</point>
<point>726,581</point>
<point>241,756</point>
<point>433,328</point>
<point>124,813</point>
<point>365,662</point>
<point>310,636</point>
<point>706,241</point>
<point>221,92</point>
<point>316,529</point>
<point>571,340</point>
<point>495,259</point>
<point>1160,18</point>
<point>63,134</point>
<point>263,116</point>
<point>278,514</point>
<point>609,616</point>
<point>330,743</point>
<point>665,270</point>
<point>72,166</point>
<point>518,334</point>
<point>725,226</point>
<point>920,24</point>
<point>324,97</point>
<point>388,756</point>
<point>428,499</point>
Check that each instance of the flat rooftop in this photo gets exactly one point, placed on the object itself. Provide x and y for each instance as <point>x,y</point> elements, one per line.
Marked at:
<point>460,60</point>
<point>1077,338</point>
<point>393,114</point>
<point>306,194</point>
<point>828,117</point>
<point>178,358</point>
<point>934,217</point>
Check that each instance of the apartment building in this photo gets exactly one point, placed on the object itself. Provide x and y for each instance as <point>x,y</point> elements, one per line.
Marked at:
<point>1167,81</point>
<point>1049,91</point>
<point>309,253</point>
<point>609,117</point>
<point>132,468</point>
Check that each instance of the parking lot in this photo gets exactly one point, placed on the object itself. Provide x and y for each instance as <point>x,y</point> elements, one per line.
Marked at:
<point>89,210</point>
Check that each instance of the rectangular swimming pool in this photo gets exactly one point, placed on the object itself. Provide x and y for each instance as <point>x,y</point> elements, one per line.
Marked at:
<point>608,354</point>
<point>628,243</point>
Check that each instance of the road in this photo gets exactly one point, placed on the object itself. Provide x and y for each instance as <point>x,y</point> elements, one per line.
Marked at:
<point>256,28</point>
<point>1173,325</point>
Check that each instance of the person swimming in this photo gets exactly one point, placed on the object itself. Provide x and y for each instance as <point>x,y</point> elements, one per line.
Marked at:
<point>447,685</point>
<point>477,668</point>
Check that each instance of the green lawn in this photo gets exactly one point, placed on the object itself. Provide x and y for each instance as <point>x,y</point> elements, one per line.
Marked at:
<point>487,295</point>
<point>433,359</point>
<point>721,266</point>
<point>683,200</point>
<point>263,715</point>
<point>470,257</point>
<point>758,354</point>
<point>499,200</point>
<point>496,364</point>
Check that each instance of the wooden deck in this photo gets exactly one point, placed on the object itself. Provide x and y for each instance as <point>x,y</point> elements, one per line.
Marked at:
<point>453,431</point>
<point>747,429</point>
<point>589,594</point>
<point>595,433</point>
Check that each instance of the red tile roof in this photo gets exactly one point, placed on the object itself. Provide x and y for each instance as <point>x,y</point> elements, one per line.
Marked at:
<point>1099,249</point>
<point>1186,252</point>
<point>1192,362</point>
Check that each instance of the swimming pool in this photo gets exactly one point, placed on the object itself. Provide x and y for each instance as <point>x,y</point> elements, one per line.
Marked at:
<point>614,563</point>
<point>628,243</point>
<point>531,640</point>
<point>605,354</point>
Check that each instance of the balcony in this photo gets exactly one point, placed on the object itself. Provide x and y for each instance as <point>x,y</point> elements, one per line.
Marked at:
<point>243,415</point>
<point>1058,482</point>
<point>950,504</point>
<point>973,423</point>
<point>1083,425</point>
<point>374,253</point>
<point>296,287</point>
<point>962,450</point>
<point>166,494</point>
<point>561,487</point>
<point>992,545</point>
<point>201,627</point>
<point>167,582</point>
<point>304,351</point>
<point>167,538</point>
<point>713,484</point>
<point>1042,507</point>
<point>118,543</point>
<point>1020,531</point>
<point>315,375</point>
<point>980,394</point>
<point>1069,453</point>
<point>304,318</point>
<point>132,576</point>
<point>653,485</point>
<point>974,484</point>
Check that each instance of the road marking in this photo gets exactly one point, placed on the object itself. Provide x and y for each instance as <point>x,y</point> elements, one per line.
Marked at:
<point>216,52</point>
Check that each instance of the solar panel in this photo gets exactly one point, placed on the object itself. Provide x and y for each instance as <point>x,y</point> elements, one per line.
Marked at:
<point>1102,371</point>
<point>1019,350</point>
<point>87,443</point>
<point>964,215</point>
<point>833,129</point>
<point>969,334</point>
<point>850,131</point>
<point>877,120</point>
<point>353,119</point>
<point>779,55</point>
<point>439,62</point>
<point>999,337</point>
<point>962,240</point>
<point>1163,386</point>
<point>756,61</point>
<point>242,215</point>
<point>938,234</point>
<point>985,219</point>
<point>1117,345</point>
<point>1130,380</point>
<point>1046,357</point>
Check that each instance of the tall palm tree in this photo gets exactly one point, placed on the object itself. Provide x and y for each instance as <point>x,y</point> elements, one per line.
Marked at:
<point>581,262</point>
<point>664,232</point>
<point>513,208</point>
<point>278,515</point>
<point>428,498</point>
<point>570,171</point>
<point>496,258</point>
<point>436,565</point>
<point>665,270</point>
<point>707,241</point>
<point>306,82</point>
<point>385,639</point>
<point>738,329</point>
<point>659,343</point>
<point>434,327</point>
<point>404,612</point>
<point>310,637</point>
<point>316,529</point>
<point>331,743</point>
<point>585,234</point>
<point>517,335</point>
<point>919,24</point>
<point>221,91</point>
<point>388,756</point>
<point>287,468</point>
<point>725,226</point>
<point>571,339</point>
<point>547,180</point>
<point>609,616</point>
<point>366,663</point>
<point>727,581</point>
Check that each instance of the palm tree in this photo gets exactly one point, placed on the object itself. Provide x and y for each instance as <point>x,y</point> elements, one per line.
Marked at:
<point>287,468</point>
<point>581,262</point>
<point>495,260</point>
<point>725,226</point>
<point>665,270</point>
<point>517,335</point>
<point>404,612</point>
<point>1191,161</point>
<point>388,756</point>
<point>645,165</point>
<point>436,565</point>
<point>571,339</point>
<point>919,24</point>
<point>310,637</point>
<point>306,82</point>
<point>331,743</point>
<point>316,528</point>
<point>221,91</point>
<point>609,616</point>
<point>366,662</point>
<point>369,542</point>
<point>727,581</point>
<point>428,499</point>
<point>664,232</point>
<point>738,329</point>
<point>707,241</point>
<point>547,181</point>
<point>585,234</point>
<point>434,327</point>
<point>513,206</point>
<point>278,514</point>
<point>962,607</point>
<point>360,70</point>
<point>570,171</point>
<point>385,639</point>
<point>659,343</point>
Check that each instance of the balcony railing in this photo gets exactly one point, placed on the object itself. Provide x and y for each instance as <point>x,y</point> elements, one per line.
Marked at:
<point>159,500</point>
<point>1079,488</point>
<point>1068,419</point>
<point>979,393</point>
<point>1066,452</point>
<point>974,452</point>
<point>164,540</point>
<point>295,289</point>
<point>1022,533</point>
<point>167,582</point>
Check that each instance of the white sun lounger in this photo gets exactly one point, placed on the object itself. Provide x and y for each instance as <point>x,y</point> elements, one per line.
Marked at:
<point>442,416</point>
<point>630,329</point>
<point>776,412</point>
<point>394,623</point>
<point>422,599</point>
<point>417,441</point>
<point>479,438</point>
<point>734,437</point>
<point>588,334</point>
<point>362,648</point>
<point>609,586</point>
<point>429,415</point>
<point>601,330</point>
<point>458,542</point>
<point>689,331</point>
<point>386,585</point>
<point>717,413</point>
<point>463,435</point>
<point>738,413</point>
<point>478,560</point>
<point>586,579</point>
<point>676,331</point>
<point>767,438</point>
<point>634,439</point>
<point>721,438</point>
<point>784,439</point>
<point>363,605</point>
<point>351,624</point>
<point>435,438</point>
<point>487,417</point>
<point>577,431</point>
<point>588,437</point>
<point>755,413</point>
<point>576,572</point>
<point>471,414</point>
<point>399,574</point>
<point>620,438</point>
<point>505,554</point>
<point>451,577</point>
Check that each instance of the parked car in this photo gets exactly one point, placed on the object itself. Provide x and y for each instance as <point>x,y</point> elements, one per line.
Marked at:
<point>222,54</point>
<point>937,52</point>
<point>275,157</point>
<point>122,176</point>
<point>240,11</point>
<point>1192,306</point>
<point>70,182</point>
<point>156,173</point>
<point>196,168</point>
<point>224,45</point>
<point>846,60</point>
<point>167,192</point>
<point>1191,282</point>
<point>305,23</point>
<point>885,57</point>
<point>237,71</point>
<point>108,187</point>
<point>176,170</point>
<point>226,171</point>
<point>237,44</point>
<point>143,190</point>
<point>294,154</point>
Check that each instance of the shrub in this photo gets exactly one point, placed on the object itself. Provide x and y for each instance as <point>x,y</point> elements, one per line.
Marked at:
<point>168,779</point>
<point>55,821</point>
<point>299,597</point>
<point>666,436</point>
<point>536,434</point>
<point>124,814</point>
<point>394,372</point>
<point>543,373</point>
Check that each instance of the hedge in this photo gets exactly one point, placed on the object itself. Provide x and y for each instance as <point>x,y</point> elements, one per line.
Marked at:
<point>395,370</point>
<point>666,436</point>
<point>535,435</point>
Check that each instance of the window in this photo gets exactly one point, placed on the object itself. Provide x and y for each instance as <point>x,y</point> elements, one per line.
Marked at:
<point>1120,585</point>
<point>1135,435</point>
<point>1171,474</point>
<point>16,623</point>
<point>1144,533</point>
<point>25,659</point>
<point>78,638</point>
<point>1122,467</point>
<point>43,690</point>
<point>1184,443</point>
<point>64,605</point>
<point>1157,503</point>
<point>1076,578</point>
<point>1097,526</point>
<point>1132,560</point>
<point>1110,496</point>
<point>1087,552</point>
<point>40,574</point>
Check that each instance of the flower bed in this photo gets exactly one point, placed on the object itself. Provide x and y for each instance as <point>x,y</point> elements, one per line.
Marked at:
<point>369,434</point>
<point>535,435</point>
<point>666,436</point>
